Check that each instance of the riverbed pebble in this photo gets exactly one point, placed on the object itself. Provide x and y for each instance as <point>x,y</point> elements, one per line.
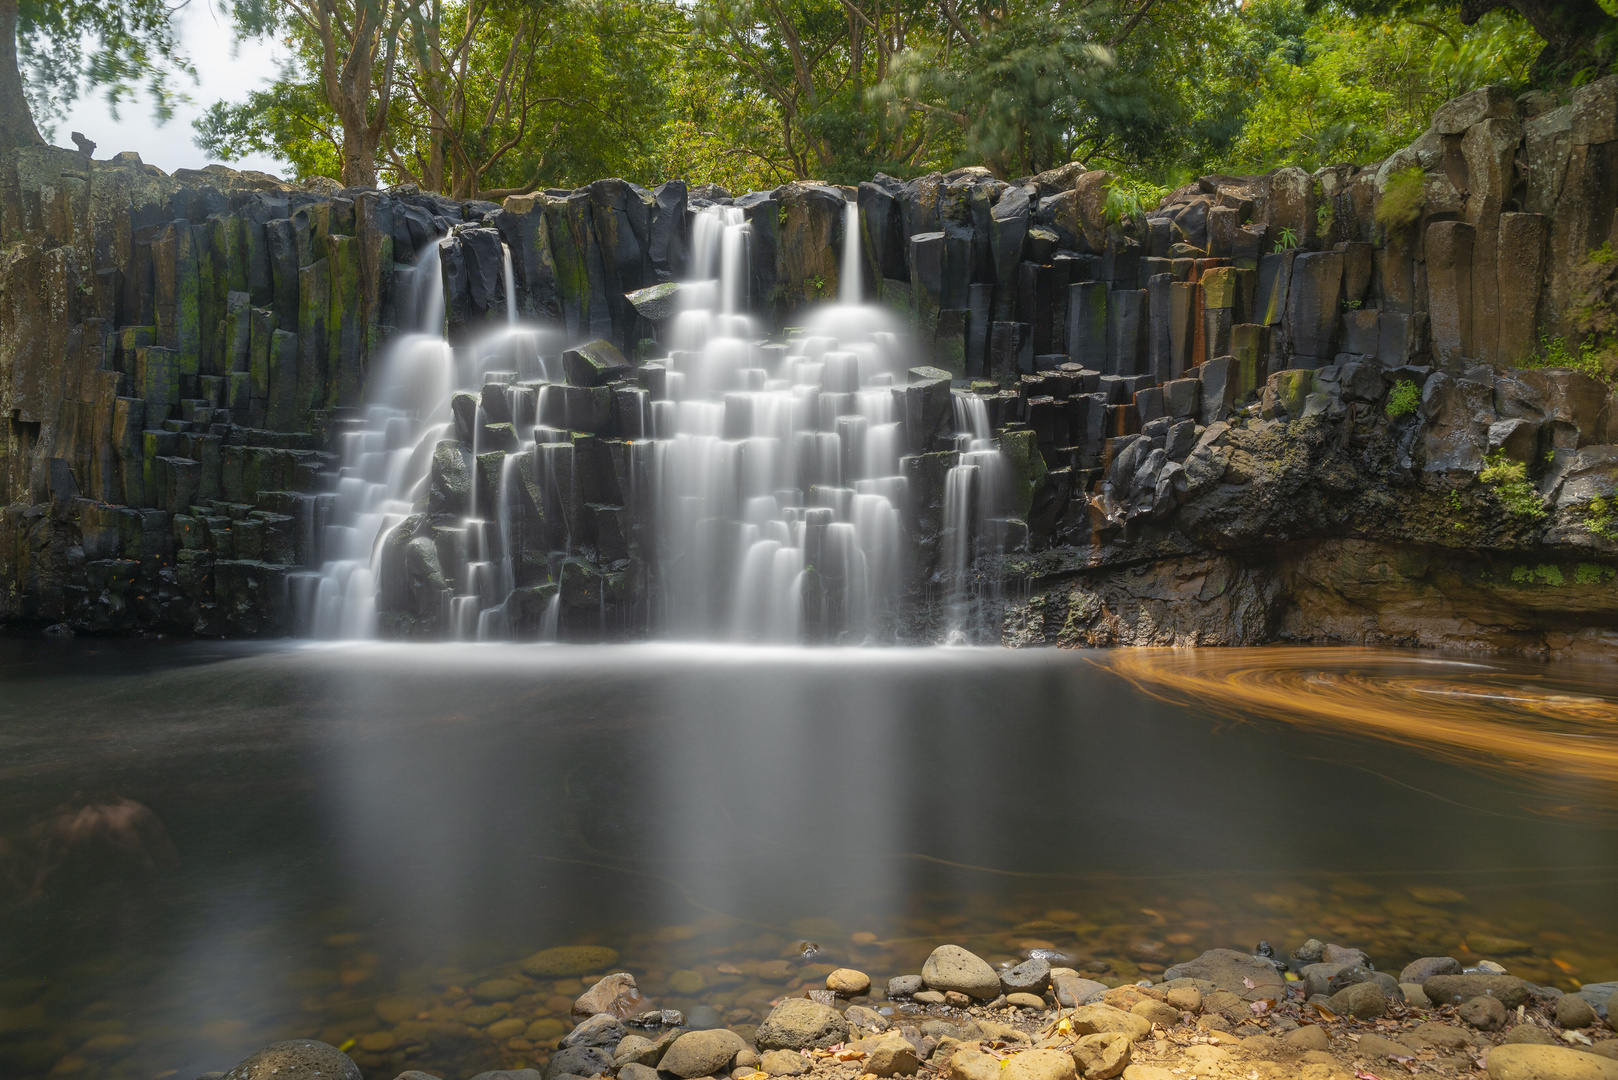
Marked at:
<point>570,960</point>
<point>1528,1062</point>
<point>801,1024</point>
<point>296,1059</point>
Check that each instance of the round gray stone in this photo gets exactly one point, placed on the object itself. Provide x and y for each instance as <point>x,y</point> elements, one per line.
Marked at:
<point>1029,977</point>
<point>951,967</point>
<point>702,1053</point>
<point>801,1024</point>
<point>904,985</point>
<point>296,1059</point>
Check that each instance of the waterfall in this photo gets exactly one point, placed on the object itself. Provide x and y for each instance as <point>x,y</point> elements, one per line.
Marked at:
<point>775,471</point>
<point>777,477</point>
<point>973,495</point>
<point>511,285</point>
<point>848,275</point>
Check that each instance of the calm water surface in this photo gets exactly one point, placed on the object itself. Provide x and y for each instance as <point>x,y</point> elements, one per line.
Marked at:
<point>204,848</point>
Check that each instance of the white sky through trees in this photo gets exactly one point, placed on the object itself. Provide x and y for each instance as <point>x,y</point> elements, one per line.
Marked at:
<point>226,70</point>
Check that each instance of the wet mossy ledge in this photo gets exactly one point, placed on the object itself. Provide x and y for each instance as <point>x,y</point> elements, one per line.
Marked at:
<point>1322,1013</point>
<point>1301,407</point>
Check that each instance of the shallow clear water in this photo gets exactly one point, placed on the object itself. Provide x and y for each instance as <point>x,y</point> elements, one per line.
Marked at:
<point>207,847</point>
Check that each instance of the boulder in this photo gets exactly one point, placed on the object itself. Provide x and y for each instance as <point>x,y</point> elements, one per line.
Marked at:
<point>1029,977</point>
<point>783,1063</point>
<point>1376,1047</point>
<point>1525,1061</point>
<point>578,1061</point>
<point>1092,1019</point>
<point>296,1059</point>
<point>890,1054</point>
<point>635,1070</point>
<point>951,967</point>
<point>1483,1012</point>
<point>508,1074</point>
<point>902,986</point>
<point>1252,977</point>
<point>1454,989</point>
<point>637,1049</point>
<point>972,1064</point>
<point>702,1053</point>
<point>594,363</point>
<point>1363,1001</point>
<point>1441,1036</point>
<point>616,994</point>
<point>801,1024</point>
<point>1531,1033</point>
<point>1307,1037</point>
<point>602,1029</point>
<point>1102,1055</point>
<point>846,982</point>
<point>1572,1011</point>
<point>1072,991</point>
<point>1040,1065</point>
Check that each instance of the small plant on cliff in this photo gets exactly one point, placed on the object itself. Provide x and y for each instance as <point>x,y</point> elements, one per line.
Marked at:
<point>1403,399</point>
<point>1598,517</point>
<point>1544,574</point>
<point>1400,206</point>
<point>1509,479</point>
<point>1593,574</point>
<point>1286,240</point>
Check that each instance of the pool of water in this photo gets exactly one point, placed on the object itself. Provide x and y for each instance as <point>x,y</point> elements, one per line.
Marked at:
<point>208,847</point>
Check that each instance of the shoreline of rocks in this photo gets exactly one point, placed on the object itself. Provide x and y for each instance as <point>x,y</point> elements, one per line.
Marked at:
<point>1324,1012</point>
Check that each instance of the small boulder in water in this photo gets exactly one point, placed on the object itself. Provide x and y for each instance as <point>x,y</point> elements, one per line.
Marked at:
<point>296,1059</point>
<point>616,994</point>
<point>951,967</point>
<point>594,363</point>
<point>569,960</point>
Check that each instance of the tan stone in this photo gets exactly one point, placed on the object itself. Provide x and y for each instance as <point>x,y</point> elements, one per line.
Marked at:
<point>1185,998</point>
<point>969,1063</point>
<point>1102,1055</point>
<point>1157,1012</point>
<point>846,982</point>
<point>784,1063</point>
<point>1376,1046</point>
<point>1307,1037</point>
<point>1526,1061</point>
<point>1039,1065</point>
<point>1091,1019</point>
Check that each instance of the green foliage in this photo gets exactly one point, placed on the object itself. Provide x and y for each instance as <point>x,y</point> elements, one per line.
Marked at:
<point>1589,358</point>
<point>1599,515</point>
<point>67,46</point>
<point>1543,574</point>
<point>1403,399</point>
<point>1593,574</point>
<point>1347,87</point>
<point>1400,205</point>
<point>1509,481</point>
<point>1286,239</point>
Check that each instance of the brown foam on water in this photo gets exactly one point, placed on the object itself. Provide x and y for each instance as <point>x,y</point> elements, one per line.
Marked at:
<point>1474,713</point>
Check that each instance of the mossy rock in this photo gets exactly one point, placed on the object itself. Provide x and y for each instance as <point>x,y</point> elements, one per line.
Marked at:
<point>569,960</point>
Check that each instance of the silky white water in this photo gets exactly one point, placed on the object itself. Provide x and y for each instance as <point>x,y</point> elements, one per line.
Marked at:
<point>775,470</point>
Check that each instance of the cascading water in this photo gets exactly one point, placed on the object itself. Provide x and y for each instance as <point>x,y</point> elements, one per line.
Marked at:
<point>775,476</point>
<point>776,469</point>
<point>974,490</point>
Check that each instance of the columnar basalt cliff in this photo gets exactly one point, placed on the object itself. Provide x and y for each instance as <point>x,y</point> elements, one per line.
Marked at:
<point>1285,406</point>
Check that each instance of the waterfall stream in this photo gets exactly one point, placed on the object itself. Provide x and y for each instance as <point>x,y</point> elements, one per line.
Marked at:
<point>775,482</point>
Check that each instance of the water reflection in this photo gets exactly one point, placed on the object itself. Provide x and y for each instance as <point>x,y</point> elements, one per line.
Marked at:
<point>365,834</point>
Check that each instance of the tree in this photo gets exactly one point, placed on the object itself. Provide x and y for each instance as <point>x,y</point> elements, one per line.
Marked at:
<point>488,98</point>
<point>66,46</point>
<point>355,45</point>
<point>1581,36</point>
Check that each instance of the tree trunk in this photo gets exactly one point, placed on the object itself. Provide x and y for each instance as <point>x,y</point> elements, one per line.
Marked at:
<point>359,154</point>
<point>1571,29</point>
<point>16,121</point>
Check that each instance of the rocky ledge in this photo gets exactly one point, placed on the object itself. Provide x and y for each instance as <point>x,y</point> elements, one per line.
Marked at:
<point>1322,1013</point>
<point>1355,503</point>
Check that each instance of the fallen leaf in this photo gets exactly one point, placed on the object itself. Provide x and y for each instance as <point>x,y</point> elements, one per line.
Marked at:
<point>1361,1074</point>
<point>1576,1036</point>
<point>1249,983</point>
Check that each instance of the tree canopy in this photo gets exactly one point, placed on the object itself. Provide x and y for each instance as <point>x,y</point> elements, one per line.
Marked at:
<point>484,98</point>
